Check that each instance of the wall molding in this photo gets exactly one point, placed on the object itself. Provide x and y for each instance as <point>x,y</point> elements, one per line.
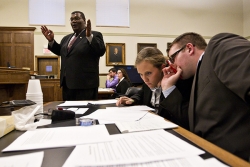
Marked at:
<point>127,34</point>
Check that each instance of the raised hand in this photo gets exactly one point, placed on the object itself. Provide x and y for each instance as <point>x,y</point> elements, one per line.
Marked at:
<point>108,77</point>
<point>171,74</point>
<point>88,28</point>
<point>49,35</point>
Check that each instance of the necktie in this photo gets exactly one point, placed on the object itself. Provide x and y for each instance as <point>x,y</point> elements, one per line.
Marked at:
<point>155,99</point>
<point>72,42</point>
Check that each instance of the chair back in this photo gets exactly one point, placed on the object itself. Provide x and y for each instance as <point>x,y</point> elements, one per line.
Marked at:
<point>132,90</point>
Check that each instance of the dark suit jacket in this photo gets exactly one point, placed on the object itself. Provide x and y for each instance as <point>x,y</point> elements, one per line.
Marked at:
<point>174,107</point>
<point>80,64</point>
<point>122,87</point>
<point>115,58</point>
<point>177,103</point>
<point>220,99</point>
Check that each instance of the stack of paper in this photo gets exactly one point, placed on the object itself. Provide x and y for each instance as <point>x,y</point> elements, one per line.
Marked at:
<point>133,148</point>
<point>85,103</point>
<point>59,137</point>
<point>24,160</point>
<point>105,116</point>
<point>121,114</point>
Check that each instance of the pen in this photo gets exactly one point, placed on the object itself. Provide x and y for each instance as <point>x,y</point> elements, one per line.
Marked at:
<point>142,116</point>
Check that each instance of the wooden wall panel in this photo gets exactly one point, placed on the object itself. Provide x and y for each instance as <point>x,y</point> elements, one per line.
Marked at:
<point>21,43</point>
<point>5,37</point>
<point>5,55</point>
<point>22,56</point>
<point>22,38</point>
<point>13,84</point>
<point>42,61</point>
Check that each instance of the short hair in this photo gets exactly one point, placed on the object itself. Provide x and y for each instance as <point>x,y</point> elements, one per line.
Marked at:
<point>189,37</point>
<point>113,70</point>
<point>151,55</point>
<point>124,73</point>
<point>82,14</point>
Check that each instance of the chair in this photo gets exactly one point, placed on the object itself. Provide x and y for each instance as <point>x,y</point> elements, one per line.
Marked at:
<point>132,90</point>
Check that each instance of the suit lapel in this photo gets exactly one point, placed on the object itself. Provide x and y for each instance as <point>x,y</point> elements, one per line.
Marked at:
<point>79,38</point>
<point>191,106</point>
<point>193,99</point>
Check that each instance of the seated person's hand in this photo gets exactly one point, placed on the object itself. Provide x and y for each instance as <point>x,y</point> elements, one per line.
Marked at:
<point>108,77</point>
<point>124,100</point>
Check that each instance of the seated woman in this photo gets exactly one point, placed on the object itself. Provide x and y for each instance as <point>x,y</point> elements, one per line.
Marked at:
<point>170,102</point>
<point>124,82</point>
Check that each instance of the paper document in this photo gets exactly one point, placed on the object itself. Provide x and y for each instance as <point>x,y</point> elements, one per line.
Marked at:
<point>112,116</point>
<point>78,110</point>
<point>110,101</point>
<point>144,124</point>
<point>81,110</point>
<point>105,90</point>
<point>72,109</point>
<point>24,160</point>
<point>85,103</point>
<point>139,107</point>
<point>194,161</point>
<point>132,148</point>
<point>43,122</point>
<point>59,137</point>
<point>73,103</point>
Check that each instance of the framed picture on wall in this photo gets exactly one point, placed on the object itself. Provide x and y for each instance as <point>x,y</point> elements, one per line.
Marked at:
<point>140,46</point>
<point>168,45</point>
<point>115,54</point>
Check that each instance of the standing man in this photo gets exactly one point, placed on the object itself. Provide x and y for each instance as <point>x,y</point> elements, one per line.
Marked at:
<point>112,79</point>
<point>80,53</point>
<point>219,108</point>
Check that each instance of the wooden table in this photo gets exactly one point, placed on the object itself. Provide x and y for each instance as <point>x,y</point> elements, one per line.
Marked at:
<point>13,83</point>
<point>104,93</point>
<point>57,156</point>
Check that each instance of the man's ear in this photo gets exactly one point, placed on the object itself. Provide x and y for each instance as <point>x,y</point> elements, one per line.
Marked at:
<point>190,48</point>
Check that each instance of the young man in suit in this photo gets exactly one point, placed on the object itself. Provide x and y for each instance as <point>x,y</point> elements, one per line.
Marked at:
<point>219,108</point>
<point>112,79</point>
<point>80,53</point>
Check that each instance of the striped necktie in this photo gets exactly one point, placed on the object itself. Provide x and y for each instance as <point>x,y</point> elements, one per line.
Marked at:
<point>72,42</point>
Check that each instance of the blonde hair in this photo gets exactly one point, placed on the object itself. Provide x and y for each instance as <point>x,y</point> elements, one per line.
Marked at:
<point>151,55</point>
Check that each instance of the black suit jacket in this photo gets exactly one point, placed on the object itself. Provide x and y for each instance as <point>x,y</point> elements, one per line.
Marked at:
<point>177,103</point>
<point>122,87</point>
<point>220,99</point>
<point>115,58</point>
<point>174,107</point>
<point>80,64</point>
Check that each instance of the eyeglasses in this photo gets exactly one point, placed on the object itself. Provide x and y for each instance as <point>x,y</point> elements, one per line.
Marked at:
<point>172,57</point>
<point>75,18</point>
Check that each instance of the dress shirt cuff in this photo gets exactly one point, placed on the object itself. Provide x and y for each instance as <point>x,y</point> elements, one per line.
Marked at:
<point>90,38</point>
<point>168,91</point>
<point>51,43</point>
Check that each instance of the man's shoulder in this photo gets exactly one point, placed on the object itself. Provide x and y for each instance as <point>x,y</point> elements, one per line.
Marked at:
<point>95,32</point>
<point>67,36</point>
